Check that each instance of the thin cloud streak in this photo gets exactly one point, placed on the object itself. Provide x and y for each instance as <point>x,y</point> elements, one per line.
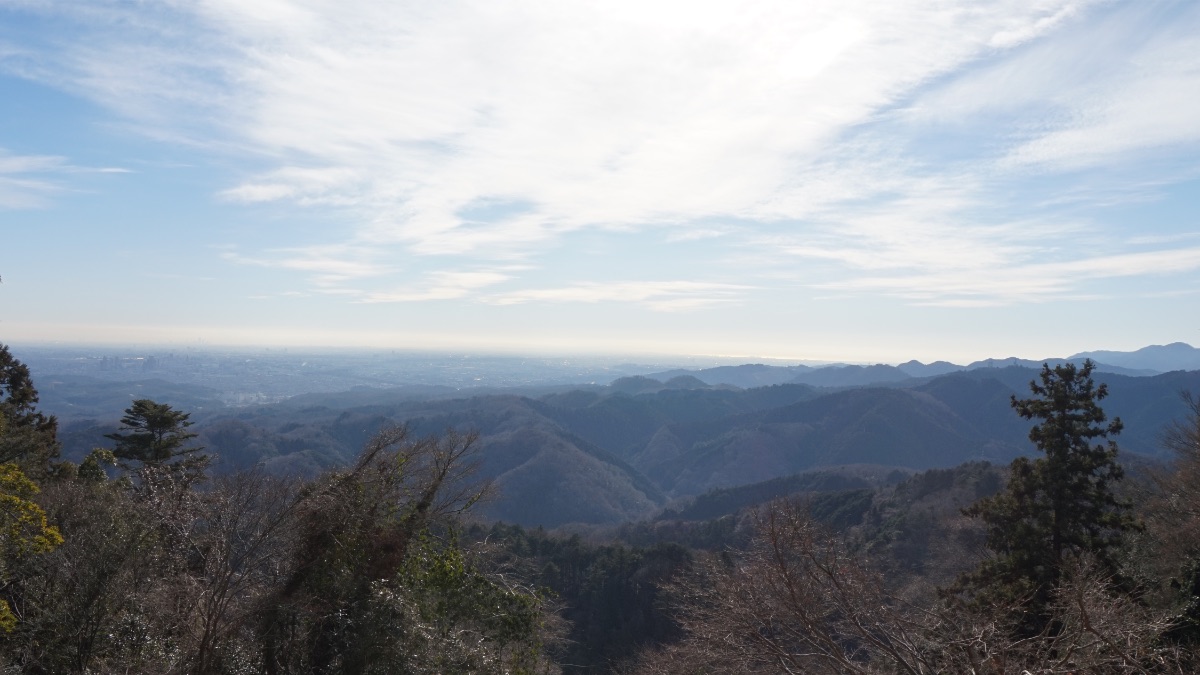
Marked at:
<point>20,186</point>
<point>657,295</point>
<point>441,286</point>
<point>329,265</point>
<point>31,181</point>
<point>1041,282</point>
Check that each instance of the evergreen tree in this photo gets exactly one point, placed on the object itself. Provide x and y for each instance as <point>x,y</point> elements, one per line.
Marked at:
<point>28,436</point>
<point>1057,507</point>
<point>157,435</point>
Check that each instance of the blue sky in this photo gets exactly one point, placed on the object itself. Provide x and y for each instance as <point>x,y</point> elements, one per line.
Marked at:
<point>841,180</point>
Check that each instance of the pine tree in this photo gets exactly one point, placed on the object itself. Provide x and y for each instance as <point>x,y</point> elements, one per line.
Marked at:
<point>1057,507</point>
<point>29,437</point>
<point>157,435</point>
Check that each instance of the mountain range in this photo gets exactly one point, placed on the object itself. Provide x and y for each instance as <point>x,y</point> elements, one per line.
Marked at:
<point>1147,361</point>
<point>607,454</point>
<point>624,451</point>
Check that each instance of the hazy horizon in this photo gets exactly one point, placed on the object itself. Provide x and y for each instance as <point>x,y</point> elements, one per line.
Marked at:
<point>628,358</point>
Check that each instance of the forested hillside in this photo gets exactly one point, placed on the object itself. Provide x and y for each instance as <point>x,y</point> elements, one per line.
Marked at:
<point>610,454</point>
<point>774,529</point>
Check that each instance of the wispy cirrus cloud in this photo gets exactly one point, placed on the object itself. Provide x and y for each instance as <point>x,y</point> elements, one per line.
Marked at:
<point>1031,282</point>
<point>31,181</point>
<point>890,142</point>
<point>1143,104</point>
<point>657,295</point>
<point>24,181</point>
<point>328,265</point>
<point>1116,90</point>
<point>439,286</point>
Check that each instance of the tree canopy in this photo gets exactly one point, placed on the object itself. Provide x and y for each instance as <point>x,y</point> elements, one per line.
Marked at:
<point>156,434</point>
<point>24,530</point>
<point>26,435</point>
<point>1061,506</point>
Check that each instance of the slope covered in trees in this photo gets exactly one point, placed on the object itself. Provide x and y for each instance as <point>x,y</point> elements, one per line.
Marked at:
<point>604,455</point>
<point>1063,588</point>
<point>387,562</point>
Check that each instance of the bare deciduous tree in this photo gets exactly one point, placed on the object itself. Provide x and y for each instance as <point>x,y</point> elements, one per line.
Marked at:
<point>800,601</point>
<point>244,535</point>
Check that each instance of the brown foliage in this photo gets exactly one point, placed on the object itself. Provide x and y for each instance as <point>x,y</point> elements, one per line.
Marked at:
<point>254,573</point>
<point>800,601</point>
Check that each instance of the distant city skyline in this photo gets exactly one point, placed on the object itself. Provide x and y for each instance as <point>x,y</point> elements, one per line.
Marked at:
<point>843,181</point>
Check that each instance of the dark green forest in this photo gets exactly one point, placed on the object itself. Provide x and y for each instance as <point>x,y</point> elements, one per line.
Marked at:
<point>780,529</point>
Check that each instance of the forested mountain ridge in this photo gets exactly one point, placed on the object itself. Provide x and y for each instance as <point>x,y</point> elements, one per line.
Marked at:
<point>1163,358</point>
<point>607,454</point>
<point>389,557</point>
<point>1147,361</point>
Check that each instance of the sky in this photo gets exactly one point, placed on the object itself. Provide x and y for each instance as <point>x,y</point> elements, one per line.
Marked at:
<point>844,180</point>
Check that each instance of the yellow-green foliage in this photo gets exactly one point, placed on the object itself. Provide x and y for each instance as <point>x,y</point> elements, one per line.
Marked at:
<point>91,469</point>
<point>23,525</point>
<point>24,529</point>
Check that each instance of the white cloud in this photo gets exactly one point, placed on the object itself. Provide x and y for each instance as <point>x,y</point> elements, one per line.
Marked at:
<point>1023,31</point>
<point>26,181</point>
<point>1118,87</point>
<point>1148,105</point>
<point>10,164</point>
<point>804,124</point>
<point>698,233</point>
<point>658,295</point>
<point>30,181</point>
<point>328,265</point>
<point>441,286</point>
<point>259,192</point>
<point>1036,281</point>
<point>598,112</point>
